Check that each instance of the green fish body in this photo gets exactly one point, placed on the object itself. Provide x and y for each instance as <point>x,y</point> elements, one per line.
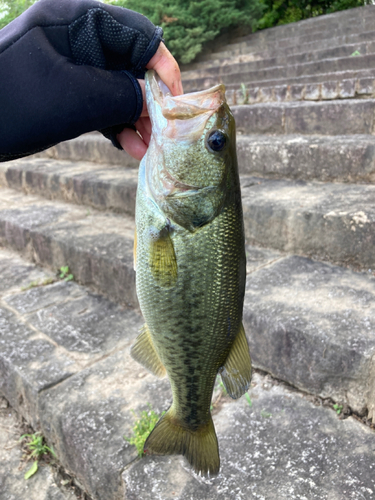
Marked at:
<point>191,266</point>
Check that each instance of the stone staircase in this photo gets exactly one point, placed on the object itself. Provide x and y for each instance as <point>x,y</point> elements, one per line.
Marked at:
<point>329,57</point>
<point>307,171</point>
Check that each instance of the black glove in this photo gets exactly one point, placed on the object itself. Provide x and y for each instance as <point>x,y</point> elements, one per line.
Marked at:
<point>68,67</point>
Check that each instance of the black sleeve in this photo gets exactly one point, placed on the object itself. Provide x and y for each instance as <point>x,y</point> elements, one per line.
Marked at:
<point>68,67</point>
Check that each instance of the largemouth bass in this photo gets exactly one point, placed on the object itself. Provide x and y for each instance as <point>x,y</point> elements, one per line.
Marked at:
<point>190,266</point>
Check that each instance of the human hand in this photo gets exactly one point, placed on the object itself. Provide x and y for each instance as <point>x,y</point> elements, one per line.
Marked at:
<point>166,66</point>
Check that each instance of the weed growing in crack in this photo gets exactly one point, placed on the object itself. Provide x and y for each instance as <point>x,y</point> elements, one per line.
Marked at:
<point>65,274</point>
<point>142,428</point>
<point>35,448</point>
<point>338,408</point>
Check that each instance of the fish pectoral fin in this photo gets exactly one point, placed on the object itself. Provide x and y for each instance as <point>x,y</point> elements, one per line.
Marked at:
<point>171,437</point>
<point>135,250</point>
<point>143,351</point>
<point>162,260</point>
<point>236,372</point>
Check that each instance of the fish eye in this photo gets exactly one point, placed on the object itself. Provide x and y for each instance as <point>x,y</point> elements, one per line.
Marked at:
<point>216,140</point>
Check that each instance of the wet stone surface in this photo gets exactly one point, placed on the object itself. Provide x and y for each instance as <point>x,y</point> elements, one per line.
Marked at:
<point>280,447</point>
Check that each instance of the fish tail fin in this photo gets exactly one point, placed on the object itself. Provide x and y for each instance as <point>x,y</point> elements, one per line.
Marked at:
<point>200,447</point>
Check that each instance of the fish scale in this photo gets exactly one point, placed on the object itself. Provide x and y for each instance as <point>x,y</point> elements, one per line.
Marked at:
<point>191,279</point>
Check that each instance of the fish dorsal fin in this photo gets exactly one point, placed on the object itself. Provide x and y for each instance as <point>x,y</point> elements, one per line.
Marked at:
<point>162,259</point>
<point>143,351</point>
<point>236,372</point>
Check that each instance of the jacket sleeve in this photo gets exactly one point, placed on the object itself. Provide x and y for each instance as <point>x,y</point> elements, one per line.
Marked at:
<point>70,67</point>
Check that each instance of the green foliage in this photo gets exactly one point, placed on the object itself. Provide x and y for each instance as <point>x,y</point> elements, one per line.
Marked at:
<point>35,449</point>
<point>288,11</point>
<point>142,428</point>
<point>338,408</point>
<point>65,274</point>
<point>10,9</point>
<point>187,24</point>
<point>33,469</point>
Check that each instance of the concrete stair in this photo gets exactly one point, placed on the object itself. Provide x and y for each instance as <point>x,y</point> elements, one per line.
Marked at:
<point>307,170</point>
<point>332,59</point>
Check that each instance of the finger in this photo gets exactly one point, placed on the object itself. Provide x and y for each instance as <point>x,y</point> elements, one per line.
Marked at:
<point>132,143</point>
<point>167,68</point>
<point>143,89</point>
<point>143,125</point>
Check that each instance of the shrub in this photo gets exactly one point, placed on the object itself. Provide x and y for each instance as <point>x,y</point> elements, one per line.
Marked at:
<point>10,9</point>
<point>287,11</point>
<point>187,25</point>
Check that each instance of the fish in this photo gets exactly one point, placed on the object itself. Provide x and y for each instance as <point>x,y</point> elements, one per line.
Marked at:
<point>189,257</point>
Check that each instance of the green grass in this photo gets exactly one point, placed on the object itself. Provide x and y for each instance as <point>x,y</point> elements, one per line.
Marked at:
<point>142,428</point>
<point>35,449</point>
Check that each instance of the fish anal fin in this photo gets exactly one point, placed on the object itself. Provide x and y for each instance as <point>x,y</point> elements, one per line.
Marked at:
<point>162,259</point>
<point>236,372</point>
<point>200,447</point>
<point>143,351</point>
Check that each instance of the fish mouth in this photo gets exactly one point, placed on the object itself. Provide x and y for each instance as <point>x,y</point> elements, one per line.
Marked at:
<point>185,116</point>
<point>185,106</point>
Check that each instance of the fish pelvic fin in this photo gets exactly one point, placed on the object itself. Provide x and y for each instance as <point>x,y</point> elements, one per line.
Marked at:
<point>162,259</point>
<point>236,372</point>
<point>143,351</point>
<point>171,437</point>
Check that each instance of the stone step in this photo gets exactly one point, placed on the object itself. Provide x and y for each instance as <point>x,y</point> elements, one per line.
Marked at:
<point>280,447</point>
<point>305,90</point>
<point>323,158</point>
<point>340,117</point>
<point>320,30</point>
<point>246,48</point>
<point>320,158</point>
<point>47,484</point>
<point>96,246</point>
<point>279,73</point>
<point>65,366</point>
<point>92,147</point>
<point>338,47</point>
<point>258,61</point>
<point>99,185</point>
<point>331,222</point>
<point>311,324</point>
